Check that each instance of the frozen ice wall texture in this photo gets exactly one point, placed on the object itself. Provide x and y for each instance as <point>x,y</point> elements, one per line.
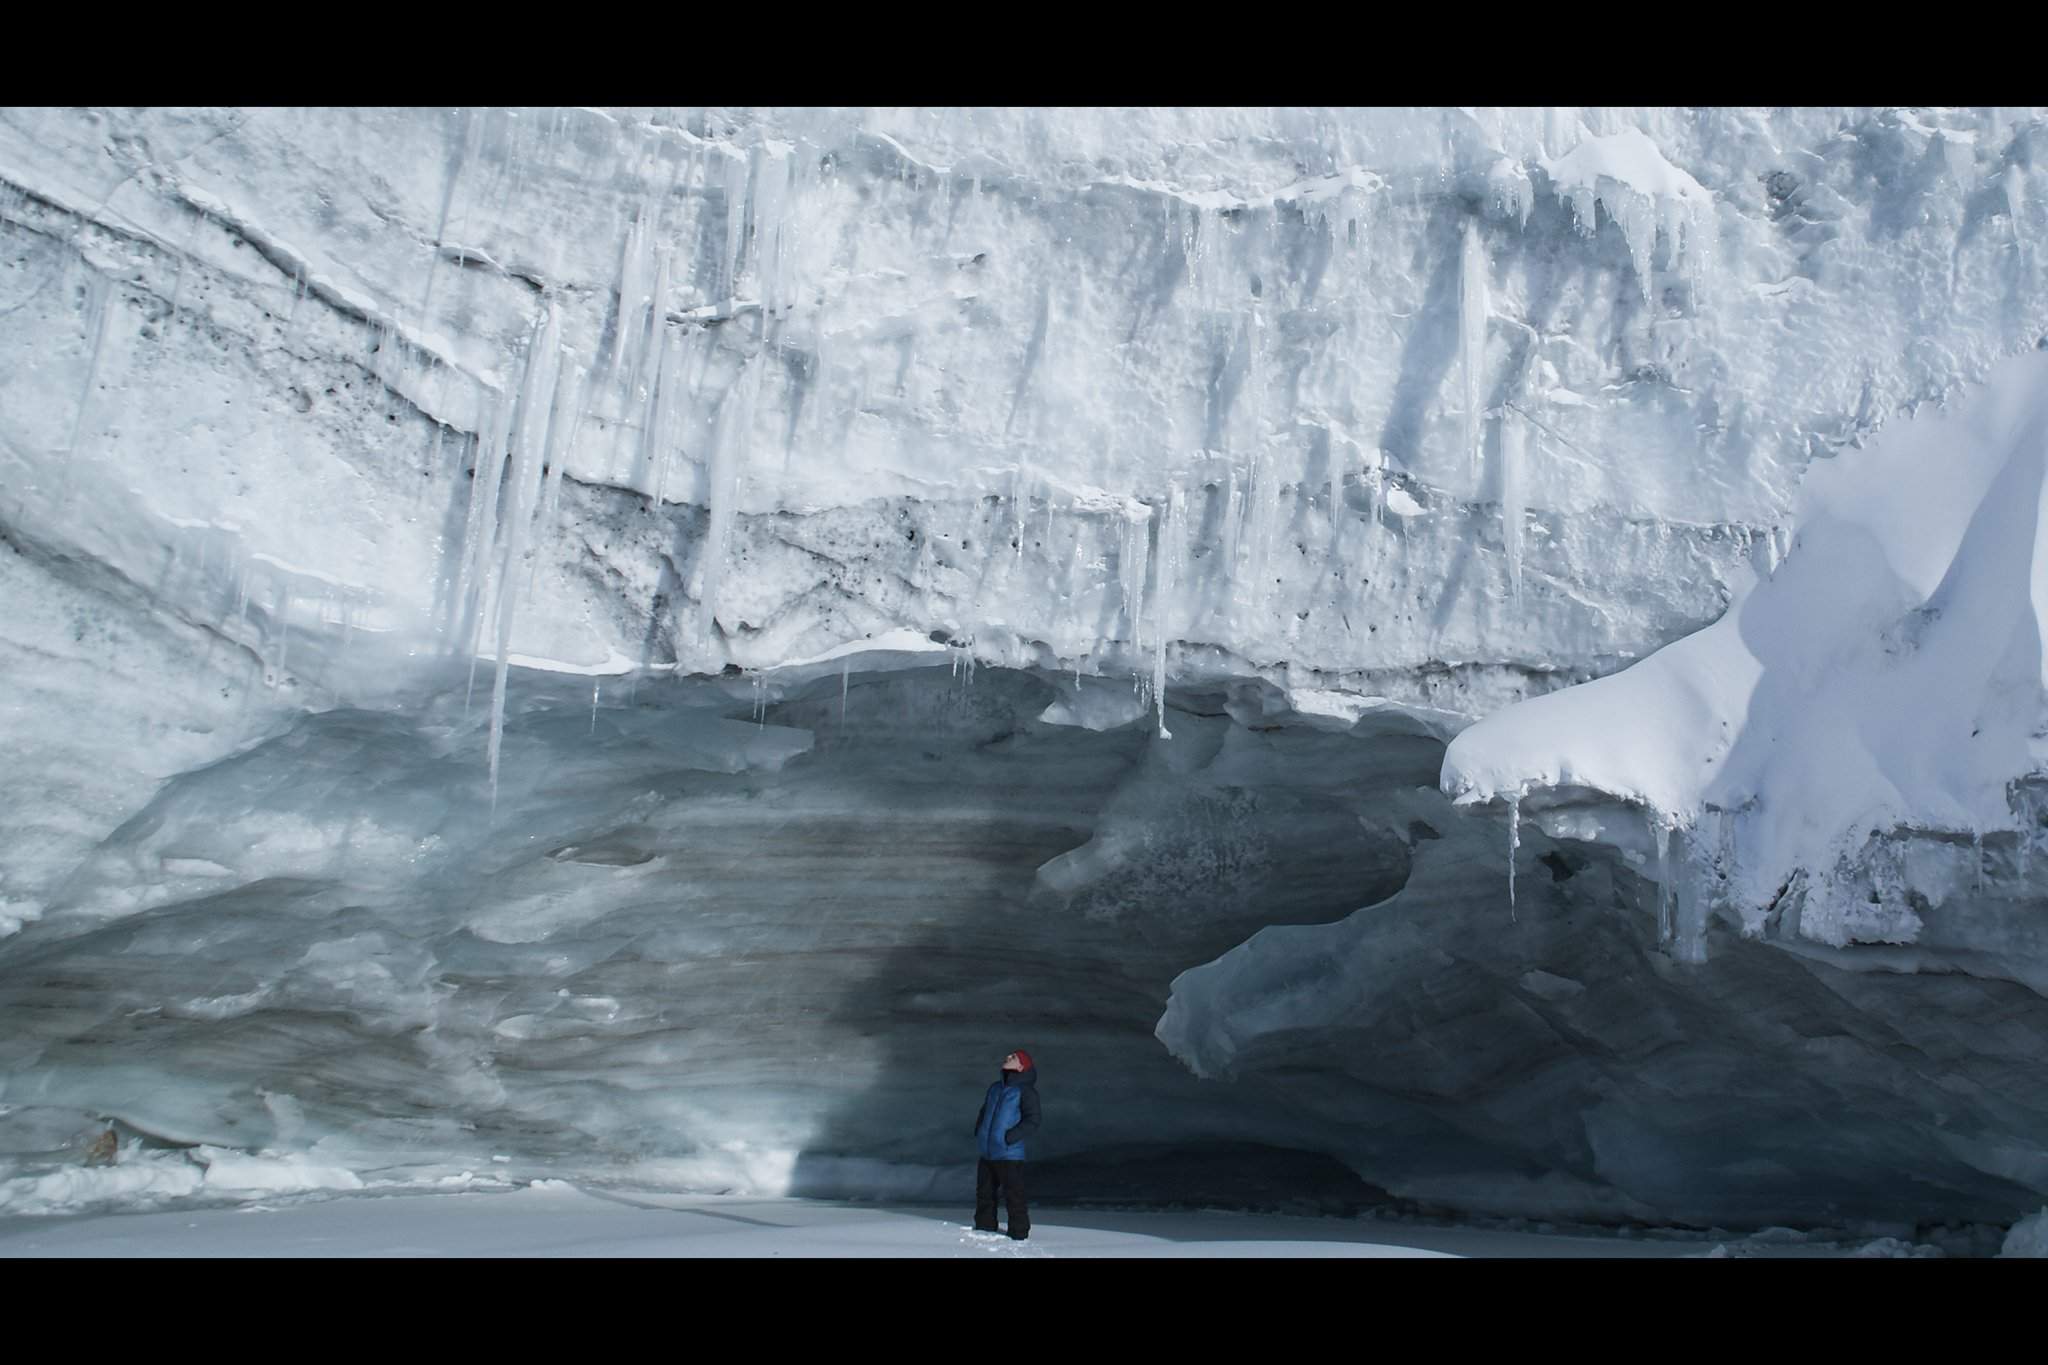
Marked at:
<point>304,411</point>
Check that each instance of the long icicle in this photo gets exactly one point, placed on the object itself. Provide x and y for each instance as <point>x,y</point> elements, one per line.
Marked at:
<point>488,474</point>
<point>570,391</point>
<point>656,441</point>
<point>1473,309</point>
<point>1171,525</point>
<point>1514,846</point>
<point>528,444</point>
<point>728,454</point>
<point>1513,456</point>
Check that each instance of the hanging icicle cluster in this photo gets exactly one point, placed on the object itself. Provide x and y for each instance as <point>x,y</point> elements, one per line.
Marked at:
<point>515,490</point>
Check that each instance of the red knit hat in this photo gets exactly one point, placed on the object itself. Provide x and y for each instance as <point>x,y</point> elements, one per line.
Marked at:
<point>1024,1060</point>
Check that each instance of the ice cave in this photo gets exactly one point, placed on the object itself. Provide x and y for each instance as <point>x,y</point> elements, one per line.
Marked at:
<point>1482,664</point>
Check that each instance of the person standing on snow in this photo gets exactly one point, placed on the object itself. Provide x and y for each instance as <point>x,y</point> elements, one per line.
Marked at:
<point>1009,1114</point>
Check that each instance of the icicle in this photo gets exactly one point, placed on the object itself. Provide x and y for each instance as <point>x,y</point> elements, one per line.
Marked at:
<point>1159,676</point>
<point>1233,513</point>
<point>1131,569</point>
<point>653,348</point>
<point>729,442</point>
<point>772,181</point>
<point>1473,310</point>
<point>1667,926</point>
<point>633,275</point>
<point>655,442</point>
<point>1638,221</point>
<point>736,169</point>
<point>1017,509</point>
<point>1977,856</point>
<point>479,528</point>
<point>1513,445</point>
<point>531,439</point>
<point>596,685</point>
<point>562,428</point>
<point>1692,886</point>
<point>1172,528</point>
<point>1160,686</point>
<point>1259,502</point>
<point>1248,537</point>
<point>845,681</point>
<point>1514,846</point>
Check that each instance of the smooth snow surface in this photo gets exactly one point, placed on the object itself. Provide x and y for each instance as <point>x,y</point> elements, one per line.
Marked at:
<point>558,1219</point>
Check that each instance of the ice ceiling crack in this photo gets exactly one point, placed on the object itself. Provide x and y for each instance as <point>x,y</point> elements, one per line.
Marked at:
<point>1580,798</point>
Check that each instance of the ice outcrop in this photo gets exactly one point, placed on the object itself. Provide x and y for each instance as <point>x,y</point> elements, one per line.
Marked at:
<point>1838,752</point>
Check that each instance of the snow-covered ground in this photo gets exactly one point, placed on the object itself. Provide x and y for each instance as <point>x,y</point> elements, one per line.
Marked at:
<point>555,1218</point>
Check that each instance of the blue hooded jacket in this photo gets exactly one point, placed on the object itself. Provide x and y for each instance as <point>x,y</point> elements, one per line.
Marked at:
<point>1009,1114</point>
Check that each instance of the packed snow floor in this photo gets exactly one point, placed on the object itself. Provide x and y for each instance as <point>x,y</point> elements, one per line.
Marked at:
<point>555,1218</point>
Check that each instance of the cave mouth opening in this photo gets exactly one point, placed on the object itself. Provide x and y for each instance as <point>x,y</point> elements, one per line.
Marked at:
<point>715,940</point>
<point>701,927</point>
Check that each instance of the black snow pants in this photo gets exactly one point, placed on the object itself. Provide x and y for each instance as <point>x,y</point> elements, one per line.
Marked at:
<point>1005,1180</point>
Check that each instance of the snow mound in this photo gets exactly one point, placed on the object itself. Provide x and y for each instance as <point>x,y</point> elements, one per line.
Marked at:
<point>146,1178</point>
<point>271,1172</point>
<point>1887,677</point>
<point>2029,1237</point>
<point>139,1181</point>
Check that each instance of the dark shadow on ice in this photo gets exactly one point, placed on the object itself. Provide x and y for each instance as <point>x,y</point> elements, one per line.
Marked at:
<point>1239,1176</point>
<point>1431,346</point>
<point>1059,879</point>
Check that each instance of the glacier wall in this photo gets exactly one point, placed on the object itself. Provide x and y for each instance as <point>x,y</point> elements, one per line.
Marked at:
<point>1350,425</point>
